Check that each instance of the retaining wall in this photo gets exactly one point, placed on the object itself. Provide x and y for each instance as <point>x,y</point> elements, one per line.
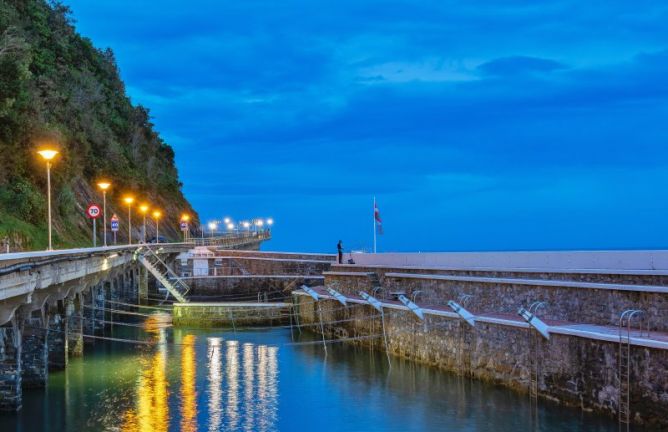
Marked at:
<point>498,294</point>
<point>270,287</point>
<point>202,315</point>
<point>574,371</point>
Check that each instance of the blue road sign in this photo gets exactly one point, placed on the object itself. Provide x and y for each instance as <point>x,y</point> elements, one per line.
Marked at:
<point>114,223</point>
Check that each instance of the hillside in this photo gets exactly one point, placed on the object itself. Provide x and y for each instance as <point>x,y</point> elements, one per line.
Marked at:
<point>57,88</point>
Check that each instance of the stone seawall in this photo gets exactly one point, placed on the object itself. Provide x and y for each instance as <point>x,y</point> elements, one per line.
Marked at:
<point>204,315</point>
<point>574,371</point>
<point>248,288</point>
<point>568,296</point>
<point>231,263</point>
<point>277,255</point>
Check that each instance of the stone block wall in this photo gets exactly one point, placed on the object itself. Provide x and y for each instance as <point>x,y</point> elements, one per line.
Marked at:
<point>10,368</point>
<point>57,341</point>
<point>580,305</point>
<point>279,255</point>
<point>227,315</point>
<point>573,371</point>
<point>246,288</point>
<point>34,354</point>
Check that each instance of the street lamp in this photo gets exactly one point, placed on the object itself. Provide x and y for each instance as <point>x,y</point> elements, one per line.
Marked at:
<point>129,200</point>
<point>185,218</point>
<point>270,221</point>
<point>259,223</point>
<point>230,226</point>
<point>156,216</point>
<point>48,155</point>
<point>246,225</point>
<point>104,185</point>
<point>144,209</point>
<point>212,227</point>
<point>227,220</point>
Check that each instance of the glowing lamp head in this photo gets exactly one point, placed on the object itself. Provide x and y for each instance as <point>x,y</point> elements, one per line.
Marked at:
<point>270,221</point>
<point>143,208</point>
<point>104,185</point>
<point>230,226</point>
<point>128,200</point>
<point>246,224</point>
<point>157,214</point>
<point>185,217</point>
<point>259,223</point>
<point>226,220</point>
<point>212,226</point>
<point>48,154</point>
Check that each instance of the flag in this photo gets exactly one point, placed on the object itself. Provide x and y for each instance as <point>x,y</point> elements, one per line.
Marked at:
<point>376,216</point>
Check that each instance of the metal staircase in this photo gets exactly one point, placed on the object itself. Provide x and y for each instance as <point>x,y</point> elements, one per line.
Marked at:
<point>163,273</point>
<point>242,270</point>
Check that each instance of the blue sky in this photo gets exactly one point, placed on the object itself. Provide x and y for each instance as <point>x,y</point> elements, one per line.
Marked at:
<point>478,125</point>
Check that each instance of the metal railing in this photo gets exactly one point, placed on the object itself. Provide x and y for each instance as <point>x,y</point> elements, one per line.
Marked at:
<point>233,239</point>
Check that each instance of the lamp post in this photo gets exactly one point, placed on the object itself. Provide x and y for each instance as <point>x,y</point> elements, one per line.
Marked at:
<point>129,200</point>
<point>212,227</point>
<point>258,224</point>
<point>156,217</point>
<point>104,185</point>
<point>185,218</point>
<point>48,155</point>
<point>144,209</point>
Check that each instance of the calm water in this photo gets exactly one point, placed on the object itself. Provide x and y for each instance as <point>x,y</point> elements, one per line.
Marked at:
<point>257,381</point>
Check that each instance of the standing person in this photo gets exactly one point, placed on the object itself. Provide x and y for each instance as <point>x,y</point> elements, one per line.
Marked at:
<point>339,247</point>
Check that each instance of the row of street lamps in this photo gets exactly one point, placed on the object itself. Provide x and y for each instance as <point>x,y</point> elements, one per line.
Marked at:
<point>231,226</point>
<point>49,154</point>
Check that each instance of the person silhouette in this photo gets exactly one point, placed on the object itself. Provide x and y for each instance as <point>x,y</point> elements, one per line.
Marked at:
<point>339,248</point>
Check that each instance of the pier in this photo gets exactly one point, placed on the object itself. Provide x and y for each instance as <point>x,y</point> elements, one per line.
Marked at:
<point>583,329</point>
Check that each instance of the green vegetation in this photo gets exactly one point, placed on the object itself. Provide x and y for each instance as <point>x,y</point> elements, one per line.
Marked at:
<point>56,88</point>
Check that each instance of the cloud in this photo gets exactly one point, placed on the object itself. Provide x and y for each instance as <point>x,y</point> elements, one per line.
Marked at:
<point>518,65</point>
<point>470,110</point>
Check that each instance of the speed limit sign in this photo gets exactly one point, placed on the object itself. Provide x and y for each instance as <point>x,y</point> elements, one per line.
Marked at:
<point>93,211</point>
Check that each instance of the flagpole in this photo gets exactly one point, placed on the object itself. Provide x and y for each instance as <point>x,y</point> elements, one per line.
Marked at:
<point>374,224</point>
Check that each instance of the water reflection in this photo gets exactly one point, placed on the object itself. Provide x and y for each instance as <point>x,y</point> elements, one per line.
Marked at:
<point>152,394</point>
<point>223,381</point>
<point>188,387</point>
<point>241,385</point>
<point>215,383</point>
<point>233,384</point>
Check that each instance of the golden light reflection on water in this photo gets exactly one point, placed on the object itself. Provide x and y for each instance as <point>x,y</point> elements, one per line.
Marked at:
<point>152,395</point>
<point>188,385</point>
<point>241,386</point>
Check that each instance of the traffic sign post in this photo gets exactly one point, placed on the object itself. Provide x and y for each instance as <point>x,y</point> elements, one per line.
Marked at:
<point>184,228</point>
<point>114,226</point>
<point>93,212</point>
